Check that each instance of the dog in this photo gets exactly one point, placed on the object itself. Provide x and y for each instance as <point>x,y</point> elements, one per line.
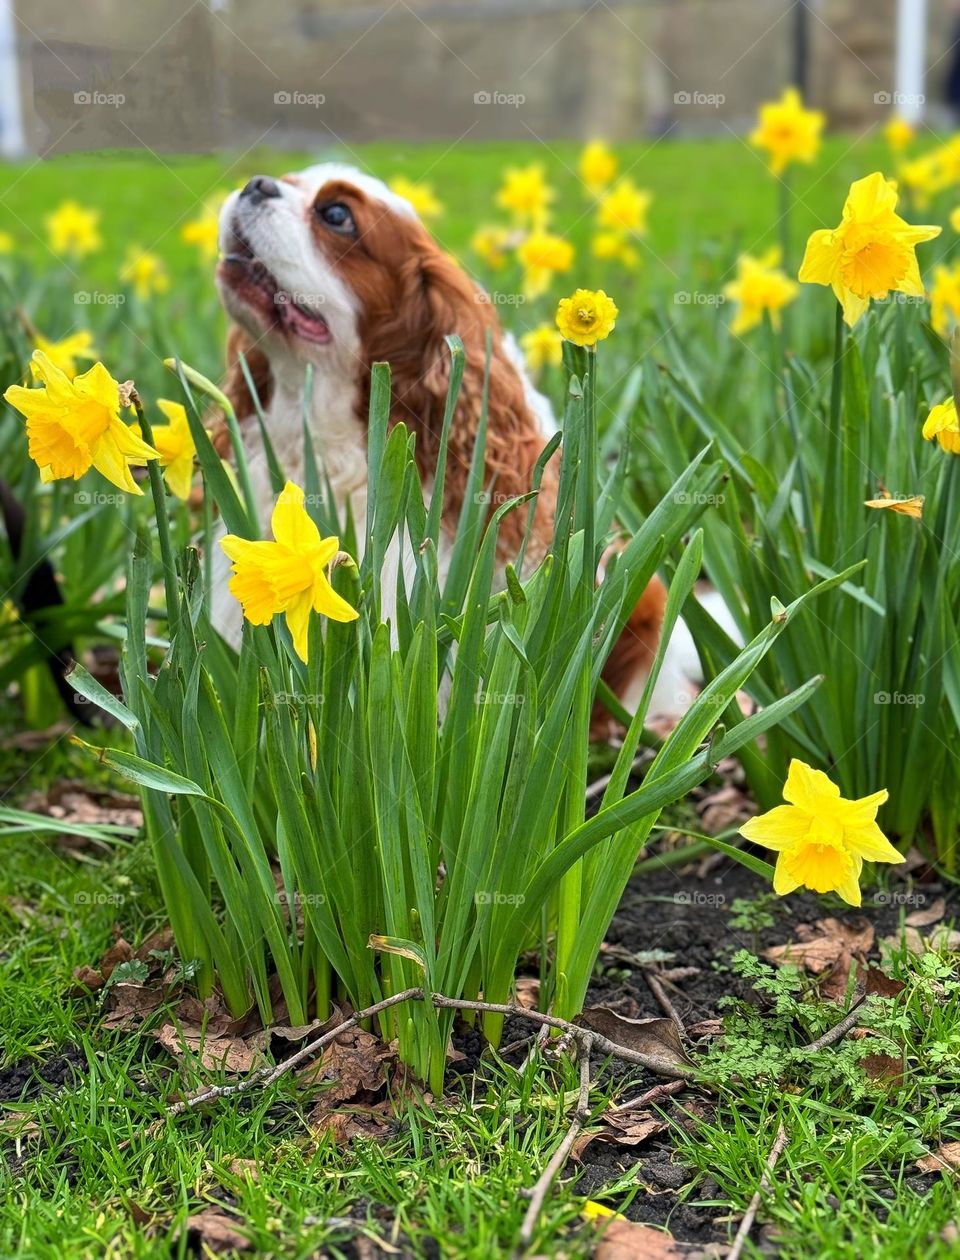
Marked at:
<point>331,268</point>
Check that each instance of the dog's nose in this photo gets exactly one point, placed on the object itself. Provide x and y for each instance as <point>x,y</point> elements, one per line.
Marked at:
<point>259,188</point>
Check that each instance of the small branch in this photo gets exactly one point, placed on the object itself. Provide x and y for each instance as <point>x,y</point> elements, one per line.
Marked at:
<point>663,1090</point>
<point>538,1195</point>
<point>660,993</point>
<point>746,1224</point>
<point>833,1034</point>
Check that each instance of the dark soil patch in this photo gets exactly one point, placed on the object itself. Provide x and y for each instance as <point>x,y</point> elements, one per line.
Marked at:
<point>29,1077</point>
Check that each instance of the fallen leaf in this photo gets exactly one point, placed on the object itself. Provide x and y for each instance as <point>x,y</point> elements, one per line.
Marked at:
<point>875,982</point>
<point>656,1037</point>
<point>625,1240</point>
<point>706,1028</point>
<point>346,1123</point>
<point>74,801</point>
<point>619,1129</point>
<point>217,1054</point>
<point>723,808</point>
<point>931,914</point>
<point>352,1062</point>
<point>827,945</point>
<point>944,1160</point>
<point>215,1231</point>
<point>244,1167</point>
<point>528,992</point>
<point>883,1068</point>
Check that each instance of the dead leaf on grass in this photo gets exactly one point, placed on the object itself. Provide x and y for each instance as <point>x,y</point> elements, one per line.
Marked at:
<point>346,1123</point>
<point>217,1054</point>
<point>354,1061</point>
<point>884,1069</point>
<point>625,1240</point>
<point>244,1168</point>
<point>944,1160</point>
<point>629,1128</point>
<point>827,945</point>
<point>656,1037</point>
<point>528,992</point>
<point>74,801</point>
<point>726,807</point>
<point>930,914</point>
<point>216,1231</point>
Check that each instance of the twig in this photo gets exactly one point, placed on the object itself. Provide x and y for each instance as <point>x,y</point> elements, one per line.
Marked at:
<point>663,1090</point>
<point>833,1034</point>
<point>584,1043</point>
<point>660,993</point>
<point>746,1224</point>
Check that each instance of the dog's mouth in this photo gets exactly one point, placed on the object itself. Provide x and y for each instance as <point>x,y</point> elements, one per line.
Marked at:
<point>295,314</point>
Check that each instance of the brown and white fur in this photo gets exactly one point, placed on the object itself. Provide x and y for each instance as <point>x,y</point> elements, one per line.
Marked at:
<point>329,267</point>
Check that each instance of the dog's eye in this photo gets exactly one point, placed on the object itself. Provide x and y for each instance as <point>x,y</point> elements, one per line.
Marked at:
<point>337,216</point>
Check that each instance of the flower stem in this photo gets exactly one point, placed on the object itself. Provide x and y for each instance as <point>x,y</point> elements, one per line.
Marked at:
<point>170,583</point>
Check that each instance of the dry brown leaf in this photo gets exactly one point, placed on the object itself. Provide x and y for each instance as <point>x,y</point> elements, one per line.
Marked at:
<point>724,808</point>
<point>528,992</point>
<point>244,1167</point>
<point>628,1128</point>
<point>215,1231</point>
<point>625,1240</point>
<point>352,1062</point>
<point>706,1028</point>
<point>120,951</point>
<point>217,1054</point>
<point>74,801</point>
<point>346,1123</point>
<point>883,1068</point>
<point>929,914</point>
<point>946,1159</point>
<point>827,945</point>
<point>656,1037</point>
<point>940,940</point>
<point>128,1005</point>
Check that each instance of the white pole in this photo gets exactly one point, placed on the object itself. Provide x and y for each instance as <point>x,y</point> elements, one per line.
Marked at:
<point>909,100</point>
<point>12,141</point>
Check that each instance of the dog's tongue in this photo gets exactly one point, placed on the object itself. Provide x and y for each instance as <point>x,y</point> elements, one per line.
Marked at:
<point>310,325</point>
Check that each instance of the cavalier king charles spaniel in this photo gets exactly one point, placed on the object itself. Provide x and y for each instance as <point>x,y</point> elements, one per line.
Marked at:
<point>329,267</point>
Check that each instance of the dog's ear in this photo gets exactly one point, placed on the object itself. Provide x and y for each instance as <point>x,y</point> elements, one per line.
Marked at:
<point>234,385</point>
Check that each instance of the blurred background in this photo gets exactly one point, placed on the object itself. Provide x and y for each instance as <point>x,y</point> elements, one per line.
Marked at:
<point>192,76</point>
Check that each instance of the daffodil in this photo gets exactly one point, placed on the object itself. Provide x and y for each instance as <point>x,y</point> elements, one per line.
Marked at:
<point>945,298</point>
<point>203,232</point>
<point>821,838</point>
<point>597,167</point>
<point>64,353</point>
<point>176,448</point>
<point>526,194</point>
<point>871,252</point>
<point>146,272</point>
<point>288,575</point>
<point>6,243</point>
<point>491,243</point>
<point>73,230</point>
<point>787,131</point>
<point>955,219</point>
<point>588,316</point>
<point>615,247</point>
<point>759,286</point>
<point>421,196</point>
<point>542,256</point>
<point>932,172</point>
<point>898,133</point>
<point>942,425</point>
<point>75,425</point>
<point>624,208</point>
<point>542,347</point>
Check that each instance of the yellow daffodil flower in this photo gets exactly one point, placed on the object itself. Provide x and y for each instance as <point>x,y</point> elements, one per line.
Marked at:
<point>6,243</point>
<point>204,233</point>
<point>491,243</point>
<point>932,172</point>
<point>871,252</point>
<point>615,247</point>
<point>73,230</point>
<point>64,353</point>
<point>145,272</point>
<point>75,425</point>
<point>542,347</point>
<point>945,298</point>
<point>597,167</point>
<point>542,256</point>
<point>821,838</point>
<point>942,425</point>
<point>588,316</point>
<point>759,286</point>
<point>898,133</point>
<point>175,444</point>
<point>526,194</point>
<point>420,196</point>
<point>624,208</point>
<point>288,575</point>
<point>787,131</point>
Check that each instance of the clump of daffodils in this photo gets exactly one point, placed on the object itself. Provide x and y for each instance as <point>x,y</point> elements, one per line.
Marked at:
<point>760,286</point>
<point>822,840</point>
<point>421,196</point>
<point>73,231</point>
<point>145,273</point>
<point>787,131</point>
<point>872,251</point>
<point>945,298</point>
<point>586,317</point>
<point>65,352</point>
